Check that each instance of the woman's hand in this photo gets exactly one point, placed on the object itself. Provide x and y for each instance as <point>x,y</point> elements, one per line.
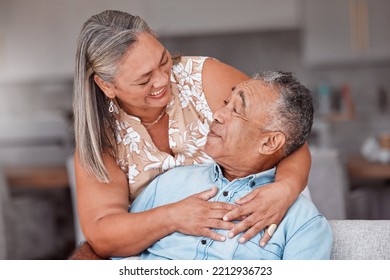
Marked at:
<point>261,208</point>
<point>195,215</point>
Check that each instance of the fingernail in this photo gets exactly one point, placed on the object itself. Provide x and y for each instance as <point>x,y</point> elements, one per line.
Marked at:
<point>223,238</point>
<point>241,240</point>
<point>230,234</point>
<point>225,218</point>
<point>262,244</point>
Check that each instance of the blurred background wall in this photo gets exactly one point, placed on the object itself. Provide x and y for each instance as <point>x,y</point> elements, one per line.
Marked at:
<point>340,49</point>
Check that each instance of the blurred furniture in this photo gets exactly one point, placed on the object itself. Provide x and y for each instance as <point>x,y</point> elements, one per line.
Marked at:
<point>360,239</point>
<point>35,197</point>
<point>337,32</point>
<point>26,225</point>
<point>360,169</point>
<point>3,237</point>
<point>54,176</point>
<point>79,236</point>
<point>328,183</point>
<point>369,190</point>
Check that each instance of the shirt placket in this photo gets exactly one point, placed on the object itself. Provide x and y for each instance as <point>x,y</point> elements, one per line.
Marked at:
<point>225,193</point>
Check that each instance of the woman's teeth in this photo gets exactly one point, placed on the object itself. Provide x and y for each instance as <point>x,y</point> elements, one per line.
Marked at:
<point>156,92</point>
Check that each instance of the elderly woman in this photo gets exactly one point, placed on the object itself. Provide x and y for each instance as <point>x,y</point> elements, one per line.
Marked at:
<point>138,113</point>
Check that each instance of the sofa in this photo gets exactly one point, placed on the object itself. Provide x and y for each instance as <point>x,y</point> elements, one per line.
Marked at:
<point>352,240</point>
<point>360,239</point>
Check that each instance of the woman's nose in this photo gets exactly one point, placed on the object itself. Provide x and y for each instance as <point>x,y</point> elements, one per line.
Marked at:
<point>160,79</point>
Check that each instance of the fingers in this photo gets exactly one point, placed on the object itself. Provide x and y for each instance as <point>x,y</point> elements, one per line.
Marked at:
<point>213,235</point>
<point>250,228</point>
<point>252,231</point>
<point>206,195</point>
<point>217,214</point>
<point>264,239</point>
<point>247,198</point>
<point>219,224</point>
<point>268,234</point>
<point>222,206</point>
<point>237,213</point>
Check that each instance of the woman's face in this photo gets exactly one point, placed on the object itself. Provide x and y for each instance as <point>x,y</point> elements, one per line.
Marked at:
<point>143,78</point>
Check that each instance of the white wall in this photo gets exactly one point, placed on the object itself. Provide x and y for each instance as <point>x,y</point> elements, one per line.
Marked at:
<point>37,38</point>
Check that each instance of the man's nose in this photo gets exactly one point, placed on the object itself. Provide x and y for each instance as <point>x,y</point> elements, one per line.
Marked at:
<point>219,115</point>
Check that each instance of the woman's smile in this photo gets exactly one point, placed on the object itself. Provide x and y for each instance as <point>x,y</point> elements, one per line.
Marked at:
<point>159,93</point>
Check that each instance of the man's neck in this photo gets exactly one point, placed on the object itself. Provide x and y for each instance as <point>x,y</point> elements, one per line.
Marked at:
<point>232,172</point>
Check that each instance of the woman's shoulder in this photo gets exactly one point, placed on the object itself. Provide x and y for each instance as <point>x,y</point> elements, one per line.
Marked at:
<point>188,64</point>
<point>183,59</point>
<point>188,70</point>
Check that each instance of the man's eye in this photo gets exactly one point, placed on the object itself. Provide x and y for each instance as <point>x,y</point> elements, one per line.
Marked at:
<point>235,111</point>
<point>165,62</point>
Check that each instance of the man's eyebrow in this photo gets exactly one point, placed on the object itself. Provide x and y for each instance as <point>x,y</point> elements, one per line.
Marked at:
<point>242,96</point>
<point>151,71</point>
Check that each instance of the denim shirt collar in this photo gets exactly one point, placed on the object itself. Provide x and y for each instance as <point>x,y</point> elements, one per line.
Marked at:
<point>254,180</point>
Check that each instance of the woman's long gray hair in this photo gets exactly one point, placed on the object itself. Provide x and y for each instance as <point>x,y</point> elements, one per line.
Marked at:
<point>104,40</point>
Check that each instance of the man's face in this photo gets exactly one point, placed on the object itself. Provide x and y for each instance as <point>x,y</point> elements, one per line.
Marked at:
<point>236,131</point>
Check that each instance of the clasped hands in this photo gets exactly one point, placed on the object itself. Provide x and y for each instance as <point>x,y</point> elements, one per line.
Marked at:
<point>255,212</point>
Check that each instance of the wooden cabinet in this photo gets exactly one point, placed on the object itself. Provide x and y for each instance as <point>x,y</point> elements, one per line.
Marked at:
<point>346,31</point>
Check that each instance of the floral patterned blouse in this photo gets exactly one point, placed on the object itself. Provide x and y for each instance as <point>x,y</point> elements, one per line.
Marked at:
<point>189,120</point>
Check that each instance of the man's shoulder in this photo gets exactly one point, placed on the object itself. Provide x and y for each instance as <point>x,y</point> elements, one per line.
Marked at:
<point>302,211</point>
<point>303,203</point>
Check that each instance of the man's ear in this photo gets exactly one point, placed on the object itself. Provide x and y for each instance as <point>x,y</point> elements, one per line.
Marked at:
<point>271,143</point>
<point>106,87</point>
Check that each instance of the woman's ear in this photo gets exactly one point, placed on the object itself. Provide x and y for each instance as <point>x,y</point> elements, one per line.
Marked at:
<point>106,87</point>
<point>271,143</point>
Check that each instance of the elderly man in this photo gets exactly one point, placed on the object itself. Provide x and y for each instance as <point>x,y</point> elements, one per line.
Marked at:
<point>266,119</point>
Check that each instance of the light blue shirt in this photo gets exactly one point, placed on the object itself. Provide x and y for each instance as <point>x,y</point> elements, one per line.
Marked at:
<point>303,233</point>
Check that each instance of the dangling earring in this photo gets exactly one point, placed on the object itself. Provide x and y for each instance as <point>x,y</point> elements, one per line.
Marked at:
<point>111,107</point>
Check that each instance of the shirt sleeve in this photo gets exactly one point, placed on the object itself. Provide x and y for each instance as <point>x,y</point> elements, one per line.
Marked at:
<point>312,241</point>
<point>145,200</point>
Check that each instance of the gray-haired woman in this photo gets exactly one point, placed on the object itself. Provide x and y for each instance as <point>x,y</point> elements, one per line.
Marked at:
<point>137,114</point>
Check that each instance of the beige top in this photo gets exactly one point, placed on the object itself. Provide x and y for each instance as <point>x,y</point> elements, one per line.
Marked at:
<point>189,120</point>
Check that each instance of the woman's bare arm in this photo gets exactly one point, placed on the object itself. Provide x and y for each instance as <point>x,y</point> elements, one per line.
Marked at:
<point>218,81</point>
<point>104,217</point>
<point>112,231</point>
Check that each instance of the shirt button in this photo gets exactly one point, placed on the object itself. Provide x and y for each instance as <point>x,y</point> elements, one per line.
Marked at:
<point>253,183</point>
<point>203,242</point>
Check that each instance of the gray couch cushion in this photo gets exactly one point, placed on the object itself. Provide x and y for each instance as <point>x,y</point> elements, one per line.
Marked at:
<point>361,239</point>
